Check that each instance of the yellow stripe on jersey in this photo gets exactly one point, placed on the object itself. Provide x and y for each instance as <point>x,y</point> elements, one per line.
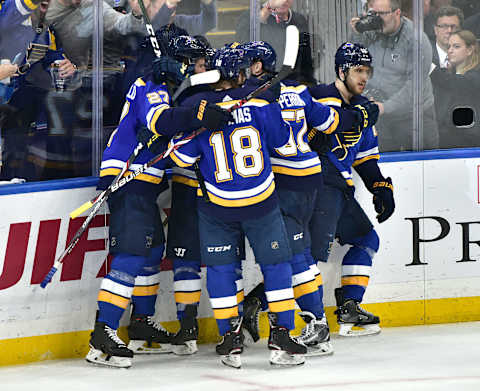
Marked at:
<point>240,202</point>
<point>225,313</point>
<point>355,280</point>
<point>30,4</point>
<point>296,171</point>
<point>140,83</point>
<point>53,44</point>
<point>155,117</point>
<point>145,290</point>
<point>188,297</point>
<point>334,125</point>
<point>240,296</point>
<point>111,298</point>
<point>304,289</point>
<point>177,161</point>
<point>360,161</point>
<point>283,305</point>
<point>329,101</point>
<point>185,181</point>
<point>142,177</point>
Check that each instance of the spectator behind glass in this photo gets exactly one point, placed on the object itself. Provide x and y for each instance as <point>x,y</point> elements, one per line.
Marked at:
<point>275,16</point>
<point>448,20</point>
<point>392,82</point>
<point>429,18</point>
<point>43,70</point>
<point>458,86</point>
<point>205,21</point>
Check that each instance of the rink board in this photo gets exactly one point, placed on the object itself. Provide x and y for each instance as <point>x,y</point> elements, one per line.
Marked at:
<point>438,282</point>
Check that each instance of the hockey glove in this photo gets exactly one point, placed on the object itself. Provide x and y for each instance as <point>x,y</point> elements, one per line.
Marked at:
<point>383,199</point>
<point>211,116</point>
<point>167,69</point>
<point>367,115</point>
<point>155,143</point>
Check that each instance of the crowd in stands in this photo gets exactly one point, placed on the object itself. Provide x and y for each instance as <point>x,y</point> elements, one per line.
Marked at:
<point>47,74</point>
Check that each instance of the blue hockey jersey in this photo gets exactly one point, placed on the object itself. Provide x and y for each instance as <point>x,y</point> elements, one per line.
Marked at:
<point>348,148</point>
<point>235,161</point>
<point>295,165</point>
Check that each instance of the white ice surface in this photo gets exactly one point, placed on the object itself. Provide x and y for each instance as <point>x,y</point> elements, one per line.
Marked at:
<point>438,357</point>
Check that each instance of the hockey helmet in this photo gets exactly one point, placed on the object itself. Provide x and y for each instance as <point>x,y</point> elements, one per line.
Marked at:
<point>166,34</point>
<point>230,62</point>
<point>351,55</point>
<point>263,51</point>
<point>186,49</point>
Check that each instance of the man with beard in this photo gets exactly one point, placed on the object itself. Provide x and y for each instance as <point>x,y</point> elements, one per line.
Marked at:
<point>337,214</point>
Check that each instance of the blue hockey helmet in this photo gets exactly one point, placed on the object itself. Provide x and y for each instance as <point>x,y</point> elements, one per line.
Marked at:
<point>263,51</point>
<point>186,49</point>
<point>230,62</point>
<point>166,34</point>
<point>351,55</point>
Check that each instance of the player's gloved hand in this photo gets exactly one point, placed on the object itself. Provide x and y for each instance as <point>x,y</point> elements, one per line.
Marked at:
<point>383,199</point>
<point>211,116</point>
<point>367,114</point>
<point>154,142</point>
<point>167,69</point>
<point>318,141</point>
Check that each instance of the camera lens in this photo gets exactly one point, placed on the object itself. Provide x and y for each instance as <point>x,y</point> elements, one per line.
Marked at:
<point>369,22</point>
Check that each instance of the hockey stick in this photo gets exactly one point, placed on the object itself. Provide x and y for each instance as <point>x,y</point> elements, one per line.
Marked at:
<point>150,30</point>
<point>112,188</point>
<point>200,78</point>
<point>288,65</point>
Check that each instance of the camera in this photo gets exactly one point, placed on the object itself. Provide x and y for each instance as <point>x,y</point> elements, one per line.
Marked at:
<point>369,22</point>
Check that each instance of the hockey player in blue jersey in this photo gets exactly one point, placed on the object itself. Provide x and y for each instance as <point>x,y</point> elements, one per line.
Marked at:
<point>136,233</point>
<point>298,178</point>
<point>337,213</point>
<point>234,161</point>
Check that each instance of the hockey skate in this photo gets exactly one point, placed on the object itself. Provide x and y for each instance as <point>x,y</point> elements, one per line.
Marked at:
<point>185,340</point>
<point>285,350</point>
<point>250,324</point>
<point>350,314</point>
<point>147,336</point>
<point>231,345</point>
<point>106,348</point>
<point>315,335</point>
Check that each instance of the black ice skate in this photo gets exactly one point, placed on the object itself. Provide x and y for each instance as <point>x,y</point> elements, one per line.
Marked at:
<point>285,350</point>
<point>147,336</point>
<point>106,348</point>
<point>315,335</point>
<point>231,345</point>
<point>185,340</point>
<point>250,324</point>
<point>350,314</point>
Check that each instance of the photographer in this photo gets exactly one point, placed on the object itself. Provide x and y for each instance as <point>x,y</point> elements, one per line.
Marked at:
<point>390,39</point>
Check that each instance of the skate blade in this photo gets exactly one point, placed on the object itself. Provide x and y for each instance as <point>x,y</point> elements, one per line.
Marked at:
<point>97,357</point>
<point>232,360</point>
<point>143,347</point>
<point>348,330</point>
<point>322,349</point>
<point>281,358</point>
<point>190,347</point>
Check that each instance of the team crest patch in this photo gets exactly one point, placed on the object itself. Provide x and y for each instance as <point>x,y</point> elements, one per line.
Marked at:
<point>148,241</point>
<point>274,245</point>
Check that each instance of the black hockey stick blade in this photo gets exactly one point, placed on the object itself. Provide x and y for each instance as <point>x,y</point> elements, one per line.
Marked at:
<point>197,79</point>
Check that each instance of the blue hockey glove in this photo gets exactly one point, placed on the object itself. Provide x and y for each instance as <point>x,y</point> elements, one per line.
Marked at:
<point>211,116</point>
<point>167,69</point>
<point>154,142</point>
<point>367,114</point>
<point>383,199</point>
